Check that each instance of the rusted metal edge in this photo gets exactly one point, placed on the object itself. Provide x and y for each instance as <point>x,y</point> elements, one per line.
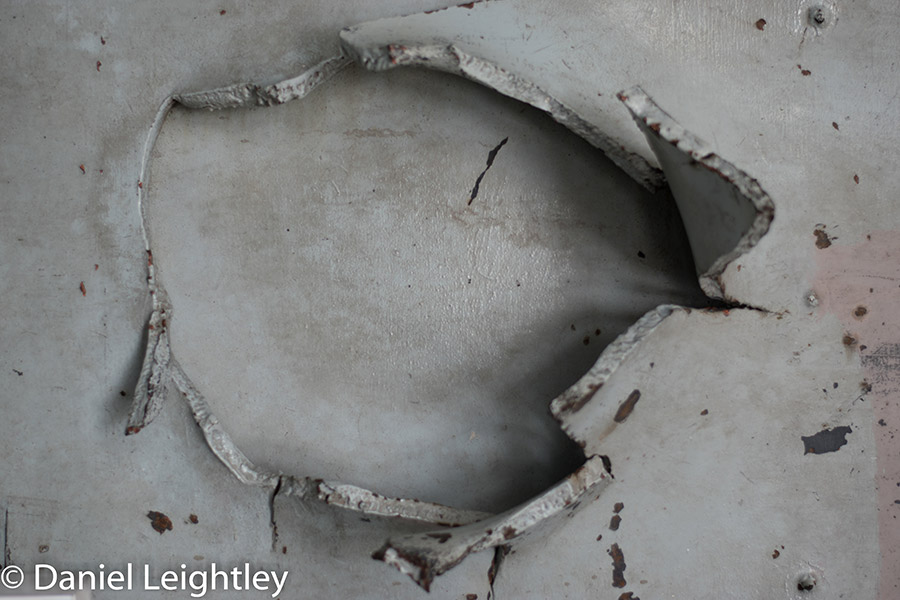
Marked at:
<point>160,369</point>
<point>657,124</point>
<point>565,407</point>
<point>425,556</point>
<point>377,52</point>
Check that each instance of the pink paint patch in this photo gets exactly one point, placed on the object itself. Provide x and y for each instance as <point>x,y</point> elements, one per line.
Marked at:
<point>860,284</point>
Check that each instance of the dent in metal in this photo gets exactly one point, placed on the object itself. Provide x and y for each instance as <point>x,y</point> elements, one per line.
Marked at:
<point>725,214</point>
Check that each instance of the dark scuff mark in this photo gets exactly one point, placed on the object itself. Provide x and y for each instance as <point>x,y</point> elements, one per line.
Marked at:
<point>822,239</point>
<point>614,523</point>
<point>160,522</point>
<point>704,412</point>
<point>441,537</point>
<point>18,372</point>
<point>490,161</point>
<point>618,559</point>
<point>500,553</point>
<point>627,406</point>
<point>827,440</point>
<point>272,521</point>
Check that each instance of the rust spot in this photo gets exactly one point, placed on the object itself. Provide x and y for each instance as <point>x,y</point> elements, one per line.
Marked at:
<point>82,169</point>
<point>776,553</point>
<point>865,386</point>
<point>441,537</point>
<point>284,549</point>
<point>627,406</point>
<point>140,185</point>
<point>618,559</point>
<point>467,5</point>
<point>193,519</point>
<point>761,24</point>
<point>860,312</point>
<point>43,548</point>
<point>102,41</point>
<point>822,239</point>
<point>98,65</point>
<point>578,403</point>
<point>827,440</point>
<point>654,126</point>
<point>804,72</point>
<point>83,289</point>
<point>856,178</point>
<point>614,523</point>
<point>96,267</point>
<point>849,340</point>
<point>222,12</point>
<point>508,532</point>
<point>618,506</point>
<point>628,596</point>
<point>471,596</point>
<point>599,537</point>
<point>159,521</point>
<point>835,125</point>
<point>132,430</point>
<point>704,412</point>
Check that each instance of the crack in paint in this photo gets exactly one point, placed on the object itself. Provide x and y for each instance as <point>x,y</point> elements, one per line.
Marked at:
<point>7,556</point>
<point>272,521</point>
<point>500,553</point>
<point>490,161</point>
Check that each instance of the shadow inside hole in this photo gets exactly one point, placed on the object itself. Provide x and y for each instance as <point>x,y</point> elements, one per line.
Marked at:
<point>352,313</point>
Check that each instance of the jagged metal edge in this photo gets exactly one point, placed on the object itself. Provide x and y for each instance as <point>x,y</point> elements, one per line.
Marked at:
<point>160,368</point>
<point>424,556</point>
<point>445,56</point>
<point>655,121</point>
<point>565,406</point>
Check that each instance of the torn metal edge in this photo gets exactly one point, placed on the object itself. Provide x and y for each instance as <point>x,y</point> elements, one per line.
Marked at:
<point>160,369</point>
<point>565,406</point>
<point>243,95</point>
<point>656,122</point>
<point>444,56</point>
<point>424,556</point>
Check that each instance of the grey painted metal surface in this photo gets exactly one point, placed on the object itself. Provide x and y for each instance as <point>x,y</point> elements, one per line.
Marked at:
<point>707,420</point>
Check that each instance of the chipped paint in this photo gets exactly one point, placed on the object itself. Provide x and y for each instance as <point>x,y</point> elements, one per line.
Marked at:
<point>866,272</point>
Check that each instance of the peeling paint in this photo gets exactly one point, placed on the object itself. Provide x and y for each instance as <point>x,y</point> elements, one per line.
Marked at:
<point>827,440</point>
